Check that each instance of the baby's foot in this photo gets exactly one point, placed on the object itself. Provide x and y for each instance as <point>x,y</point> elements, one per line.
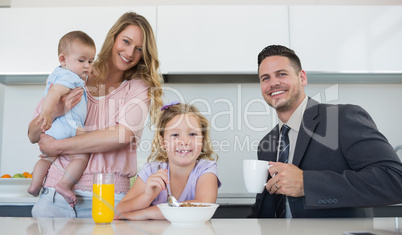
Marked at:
<point>34,190</point>
<point>67,193</point>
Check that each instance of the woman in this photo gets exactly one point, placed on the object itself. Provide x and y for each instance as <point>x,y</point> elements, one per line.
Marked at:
<point>124,87</point>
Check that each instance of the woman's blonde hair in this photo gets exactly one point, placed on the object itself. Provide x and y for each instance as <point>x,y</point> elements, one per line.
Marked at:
<point>158,154</point>
<point>147,67</point>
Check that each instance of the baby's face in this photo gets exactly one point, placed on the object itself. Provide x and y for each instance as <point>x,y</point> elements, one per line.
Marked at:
<point>79,59</point>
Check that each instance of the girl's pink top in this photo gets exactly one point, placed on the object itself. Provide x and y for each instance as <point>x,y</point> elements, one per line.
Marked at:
<point>128,105</point>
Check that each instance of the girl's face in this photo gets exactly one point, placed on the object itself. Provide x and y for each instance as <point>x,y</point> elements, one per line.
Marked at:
<point>182,139</point>
<point>127,48</point>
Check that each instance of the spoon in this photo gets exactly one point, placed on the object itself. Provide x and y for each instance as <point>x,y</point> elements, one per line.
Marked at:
<point>172,201</point>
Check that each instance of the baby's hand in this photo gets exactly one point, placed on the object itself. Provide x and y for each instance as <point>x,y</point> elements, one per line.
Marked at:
<point>46,120</point>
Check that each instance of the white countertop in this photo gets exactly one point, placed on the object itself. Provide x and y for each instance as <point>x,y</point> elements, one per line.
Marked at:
<point>33,226</point>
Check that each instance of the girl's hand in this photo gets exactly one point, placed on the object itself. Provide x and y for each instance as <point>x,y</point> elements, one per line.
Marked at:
<point>156,182</point>
<point>47,145</point>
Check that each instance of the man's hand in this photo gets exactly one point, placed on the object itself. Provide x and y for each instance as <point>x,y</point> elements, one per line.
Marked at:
<point>286,179</point>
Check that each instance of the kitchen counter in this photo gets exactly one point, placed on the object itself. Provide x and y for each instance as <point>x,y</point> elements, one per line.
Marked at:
<point>33,226</point>
<point>14,192</point>
<point>15,202</point>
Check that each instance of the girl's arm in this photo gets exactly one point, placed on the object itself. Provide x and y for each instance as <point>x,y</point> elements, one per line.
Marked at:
<point>207,189</point>
<point>66,102</point>
<point>141,195</point>
<point>93,142</point>
<point>151,212</point>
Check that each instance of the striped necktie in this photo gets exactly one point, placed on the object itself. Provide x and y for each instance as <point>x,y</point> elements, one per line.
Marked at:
<point>280,199</point>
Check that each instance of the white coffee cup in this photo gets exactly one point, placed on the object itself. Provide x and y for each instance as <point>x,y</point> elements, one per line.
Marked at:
<point>255,174</point>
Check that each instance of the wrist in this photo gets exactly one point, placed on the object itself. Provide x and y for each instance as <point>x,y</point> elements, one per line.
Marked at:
<point>58,147</point>
<point>54,116</point>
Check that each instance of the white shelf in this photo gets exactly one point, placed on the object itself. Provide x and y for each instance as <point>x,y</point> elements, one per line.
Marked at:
<point>14,192</point>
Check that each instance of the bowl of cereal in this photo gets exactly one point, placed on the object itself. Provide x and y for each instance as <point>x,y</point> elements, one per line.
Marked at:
<point>188,213</point>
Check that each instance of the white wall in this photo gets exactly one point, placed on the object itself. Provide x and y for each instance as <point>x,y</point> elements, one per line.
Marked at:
<point>2,91</point>
<point>57,3</point>
<point>35,33</point>
<point>17,153</point>
<point>381,101</point>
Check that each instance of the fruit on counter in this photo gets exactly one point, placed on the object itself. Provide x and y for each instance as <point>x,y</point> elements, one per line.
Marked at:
<point>18,175</point>
<point>27,175</point>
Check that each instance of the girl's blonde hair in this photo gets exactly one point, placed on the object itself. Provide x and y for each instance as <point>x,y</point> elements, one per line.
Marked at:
<point>168,114</point>
<point>147,67</point>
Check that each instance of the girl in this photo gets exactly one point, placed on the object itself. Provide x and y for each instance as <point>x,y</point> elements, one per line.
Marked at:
<point>181,163</point>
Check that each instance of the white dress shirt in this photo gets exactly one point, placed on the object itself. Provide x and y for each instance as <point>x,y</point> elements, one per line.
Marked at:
<point>294,123</point>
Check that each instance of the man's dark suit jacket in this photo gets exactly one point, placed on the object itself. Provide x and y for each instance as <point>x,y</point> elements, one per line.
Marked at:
<point>348,165</point>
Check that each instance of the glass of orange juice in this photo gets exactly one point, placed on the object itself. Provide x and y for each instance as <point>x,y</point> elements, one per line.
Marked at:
<point>103,198</point>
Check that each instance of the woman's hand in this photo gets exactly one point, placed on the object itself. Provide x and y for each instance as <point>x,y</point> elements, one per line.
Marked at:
<point>47,145</point>
<point>67,102</point>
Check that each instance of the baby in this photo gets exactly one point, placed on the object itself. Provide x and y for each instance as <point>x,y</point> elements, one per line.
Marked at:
<point>76,54</point>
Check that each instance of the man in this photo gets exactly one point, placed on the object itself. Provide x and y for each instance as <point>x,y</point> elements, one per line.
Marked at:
<point>337,164</point>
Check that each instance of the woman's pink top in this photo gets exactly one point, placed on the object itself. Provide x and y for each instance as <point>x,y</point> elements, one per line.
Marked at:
<point>128,105</point>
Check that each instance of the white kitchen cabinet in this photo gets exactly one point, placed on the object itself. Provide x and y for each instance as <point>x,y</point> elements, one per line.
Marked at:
<point>365,39</point>
<point>29,36</point>
<point>218,39</point>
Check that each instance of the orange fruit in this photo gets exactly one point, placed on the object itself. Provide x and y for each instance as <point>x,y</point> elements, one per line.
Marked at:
<point>27,175</point>
<point>6,176</point>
